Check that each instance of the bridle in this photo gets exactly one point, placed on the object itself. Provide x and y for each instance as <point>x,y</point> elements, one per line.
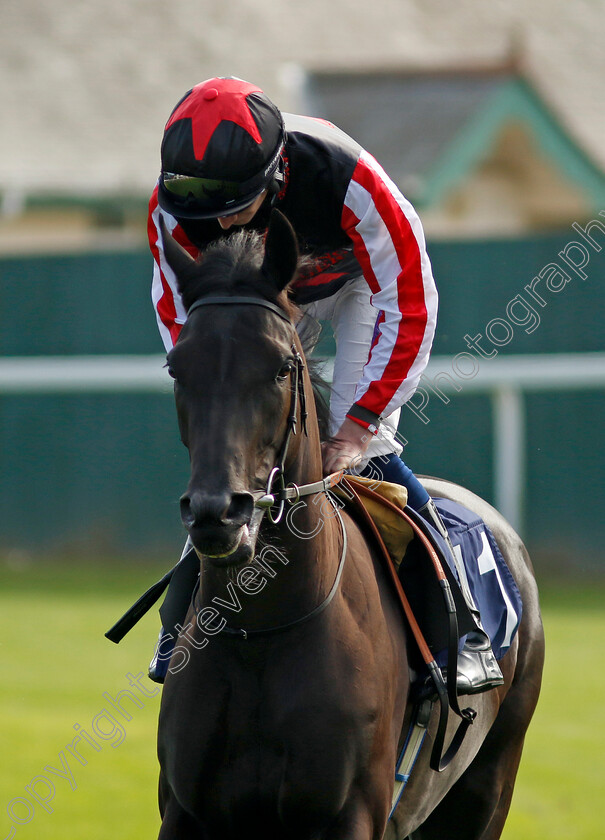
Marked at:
<point>267,499</point>
<point>276,491</point>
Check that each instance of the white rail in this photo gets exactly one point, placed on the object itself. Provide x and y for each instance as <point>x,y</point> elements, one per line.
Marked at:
<point>505,378</point>
<point>537,372</point>
<point>82,374</point>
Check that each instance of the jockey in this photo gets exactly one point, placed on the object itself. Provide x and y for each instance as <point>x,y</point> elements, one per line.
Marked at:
<point>228,157</point>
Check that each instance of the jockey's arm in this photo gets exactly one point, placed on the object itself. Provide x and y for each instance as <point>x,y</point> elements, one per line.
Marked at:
<point>388,241</point>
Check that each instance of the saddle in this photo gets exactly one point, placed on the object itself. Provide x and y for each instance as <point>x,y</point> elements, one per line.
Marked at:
<point>432,603</point>
<point>396,532</point>
<point>407,545</point>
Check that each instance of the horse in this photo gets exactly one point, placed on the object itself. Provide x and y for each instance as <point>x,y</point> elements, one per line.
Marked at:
<point>288,694</point>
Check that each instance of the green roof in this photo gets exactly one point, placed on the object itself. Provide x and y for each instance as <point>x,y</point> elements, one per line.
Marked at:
<point>431,129</point>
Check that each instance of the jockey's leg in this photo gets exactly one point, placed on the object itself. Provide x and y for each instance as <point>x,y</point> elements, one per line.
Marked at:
<point>392,469</point>
<point>478,669</point>
<point>173,610</point>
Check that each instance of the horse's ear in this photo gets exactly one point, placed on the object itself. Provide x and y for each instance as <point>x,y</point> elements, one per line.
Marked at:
<point>176,256</point>
<point>281,251</point>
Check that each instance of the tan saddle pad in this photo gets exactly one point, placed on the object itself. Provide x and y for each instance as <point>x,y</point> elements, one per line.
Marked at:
<point>394,530</point>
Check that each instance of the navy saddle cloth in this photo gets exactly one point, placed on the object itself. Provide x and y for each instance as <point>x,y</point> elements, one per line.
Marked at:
<point>490,581</point>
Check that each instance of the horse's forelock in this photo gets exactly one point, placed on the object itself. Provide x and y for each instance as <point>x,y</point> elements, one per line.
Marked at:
<point>232,266</point>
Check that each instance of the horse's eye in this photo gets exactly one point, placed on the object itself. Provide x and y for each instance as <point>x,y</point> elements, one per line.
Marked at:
<point>284,372</point>
<point>171,372</point>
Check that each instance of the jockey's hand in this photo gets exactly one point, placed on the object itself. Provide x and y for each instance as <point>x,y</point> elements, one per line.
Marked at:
<point>345,449</point>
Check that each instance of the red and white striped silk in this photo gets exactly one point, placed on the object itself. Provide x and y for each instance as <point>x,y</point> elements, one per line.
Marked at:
<point>388,241</point>
<point>170,312</point>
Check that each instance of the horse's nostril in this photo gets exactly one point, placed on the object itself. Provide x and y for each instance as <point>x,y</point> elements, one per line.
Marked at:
<point>186,514</point>
<point>221,509</point>
<point>240,509</point>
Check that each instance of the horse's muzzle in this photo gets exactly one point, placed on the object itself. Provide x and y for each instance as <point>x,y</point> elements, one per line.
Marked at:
<point>217,523</point>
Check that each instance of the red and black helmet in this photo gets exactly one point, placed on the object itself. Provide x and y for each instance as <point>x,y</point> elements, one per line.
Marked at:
<point>221,148</point>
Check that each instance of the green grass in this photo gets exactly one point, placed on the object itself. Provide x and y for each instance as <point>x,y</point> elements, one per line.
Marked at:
<point>56,667</point>
<point>560,788</point>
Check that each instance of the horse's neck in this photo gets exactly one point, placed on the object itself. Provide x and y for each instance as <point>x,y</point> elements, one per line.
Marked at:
<point>293,570</point>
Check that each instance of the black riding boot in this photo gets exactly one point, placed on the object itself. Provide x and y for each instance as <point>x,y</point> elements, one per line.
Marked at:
<point>478,669</point>
<point>173,611</point>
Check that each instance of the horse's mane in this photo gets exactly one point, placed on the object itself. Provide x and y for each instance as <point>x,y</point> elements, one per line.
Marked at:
<point>321,389</point>
<point>232,265</point>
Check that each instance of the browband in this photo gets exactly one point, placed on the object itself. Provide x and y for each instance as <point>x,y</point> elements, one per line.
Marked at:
<point>254,301</point>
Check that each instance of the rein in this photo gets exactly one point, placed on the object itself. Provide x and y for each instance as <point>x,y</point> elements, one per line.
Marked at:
<point>240,633</point>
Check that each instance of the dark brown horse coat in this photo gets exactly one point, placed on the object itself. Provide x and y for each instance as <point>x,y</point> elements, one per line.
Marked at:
<point>294,733</point>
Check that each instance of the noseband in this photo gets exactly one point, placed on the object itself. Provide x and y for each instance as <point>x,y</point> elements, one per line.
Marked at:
<point>276,492</point>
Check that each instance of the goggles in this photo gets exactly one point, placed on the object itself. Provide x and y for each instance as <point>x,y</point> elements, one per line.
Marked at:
<point>208,189</point>
<point>202,198</point>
